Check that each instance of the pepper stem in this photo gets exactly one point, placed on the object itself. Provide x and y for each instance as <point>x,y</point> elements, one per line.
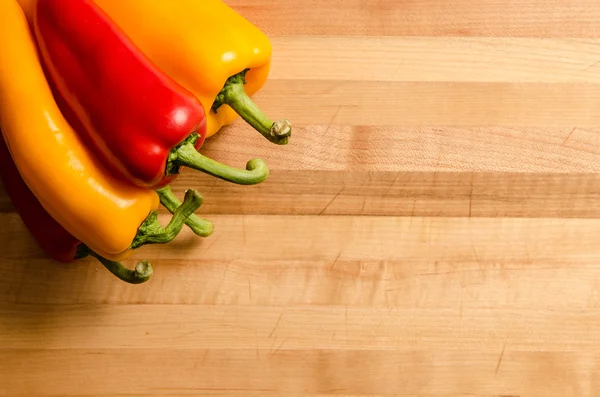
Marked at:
<point>151,232</point>
<point>186,155</point>
<point>234,95</point>
<point>141,273</point>
<point>200,227</point>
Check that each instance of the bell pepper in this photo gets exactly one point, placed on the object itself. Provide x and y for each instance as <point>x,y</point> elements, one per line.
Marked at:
<point>57,242</point>
<point>208,48</point>
<point>143,124</point>
<point>111,217</point>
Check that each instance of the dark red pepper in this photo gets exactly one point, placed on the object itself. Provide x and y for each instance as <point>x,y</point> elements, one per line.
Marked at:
<point>142,123</point>
<point>48,233</point>
<point>58,243</point>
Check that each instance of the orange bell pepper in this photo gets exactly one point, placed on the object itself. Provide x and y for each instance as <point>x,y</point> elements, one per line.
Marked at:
<point>110,217</point>
<point>209,49</point>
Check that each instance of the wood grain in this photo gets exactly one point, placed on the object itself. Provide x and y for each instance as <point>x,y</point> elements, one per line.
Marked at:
<point>437,59</point>
<point>496,18</point>
<point>432,229</point>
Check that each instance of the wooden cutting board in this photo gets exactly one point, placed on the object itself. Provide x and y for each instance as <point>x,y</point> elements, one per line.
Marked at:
<point>431,229</point>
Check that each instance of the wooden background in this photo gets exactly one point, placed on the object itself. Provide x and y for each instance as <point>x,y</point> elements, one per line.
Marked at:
<point>431,230</point>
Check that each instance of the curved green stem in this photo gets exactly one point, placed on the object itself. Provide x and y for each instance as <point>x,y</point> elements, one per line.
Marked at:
<point>151,232</point>
<point>141,273</point>
<point>200,227</point>
<point>234,95</point>
<point>186,155</point>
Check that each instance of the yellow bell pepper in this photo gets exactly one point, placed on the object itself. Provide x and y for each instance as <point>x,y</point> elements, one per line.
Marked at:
<point>109,216</point>
<point>208,48</point>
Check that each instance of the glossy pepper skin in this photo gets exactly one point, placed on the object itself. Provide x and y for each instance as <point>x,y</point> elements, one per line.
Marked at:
<point>94,207</point>
<point>200,44</point>
<point>57,242</point>
<point>142,123</point>
<point>127,109</point>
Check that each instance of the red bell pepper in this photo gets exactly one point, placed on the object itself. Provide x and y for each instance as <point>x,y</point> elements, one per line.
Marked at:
<point>142,123</point>
<point>59,244</point>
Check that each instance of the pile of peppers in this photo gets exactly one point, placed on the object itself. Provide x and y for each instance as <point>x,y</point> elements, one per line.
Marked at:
<point>103,102</point>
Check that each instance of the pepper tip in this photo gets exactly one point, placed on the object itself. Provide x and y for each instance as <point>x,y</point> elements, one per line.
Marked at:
<point>143,270</point>
<point>281,128</point>
<point>193,196</point>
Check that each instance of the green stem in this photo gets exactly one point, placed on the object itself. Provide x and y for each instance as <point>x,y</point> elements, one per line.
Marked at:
<point>141,273</point>
<point>186,155</point>
<point>234,95</point>
<point>200,227</point>
<point>151,232</point>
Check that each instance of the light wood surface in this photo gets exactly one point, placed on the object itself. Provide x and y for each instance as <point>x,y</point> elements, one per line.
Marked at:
<point>431,229</point>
